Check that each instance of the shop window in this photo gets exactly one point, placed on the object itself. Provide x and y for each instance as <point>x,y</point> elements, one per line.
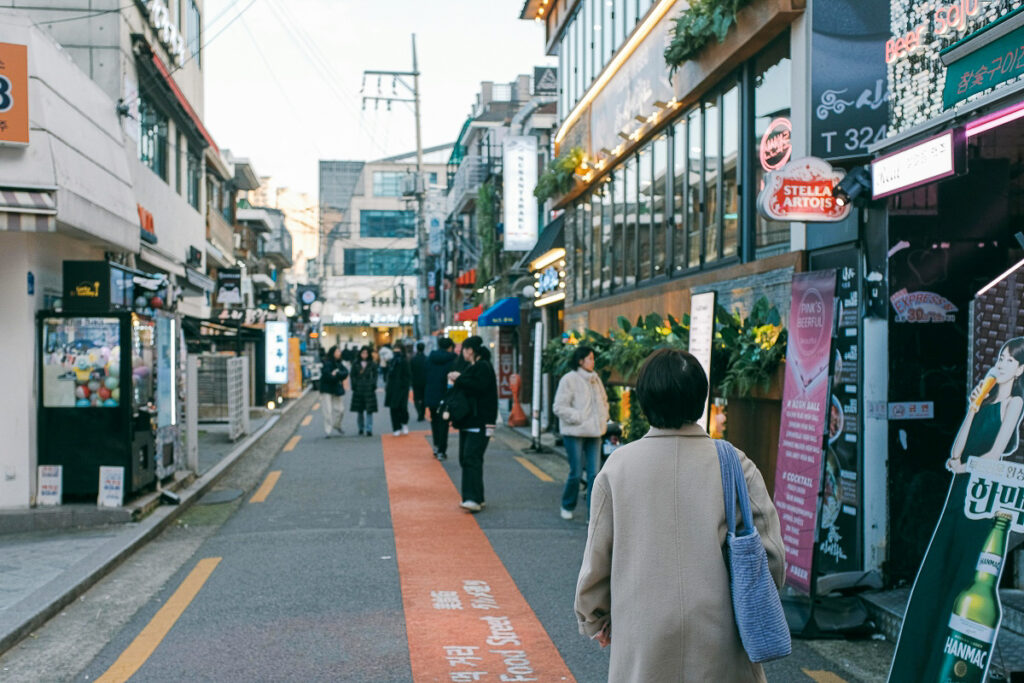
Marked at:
<point>607,31</point>
<point>388,183</point>
<point>226,202</point>
<point>607,224</point>
<point>195,32</point>
<point>586,21</point>
<point>597,230</point>
<point>380,261</point>
<point>387,223</point>
<point>576,244</point>
<point>580,52</point>
<point>680,208</point>
<point>194,172</point>
<point>712,166</point>
<point>584,226</point>
<point>618,226</point>
<point>695,137</point>
<point>642,10</point>
<point>659,152</point>
<point>152,137</point>
<point>630,15</point>
<point>730,169</point>
<point>772,97</point>
<point>619,13</point>
<point>629,225</point>
<point>643,230</point>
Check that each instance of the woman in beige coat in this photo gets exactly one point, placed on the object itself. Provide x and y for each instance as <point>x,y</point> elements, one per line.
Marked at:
<point>654,583</point>
<point>581,405</point>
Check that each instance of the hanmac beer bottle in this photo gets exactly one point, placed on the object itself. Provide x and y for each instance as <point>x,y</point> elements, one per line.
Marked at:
<point>972,625</point>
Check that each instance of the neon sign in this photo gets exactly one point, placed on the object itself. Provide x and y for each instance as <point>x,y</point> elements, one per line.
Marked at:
<point>947,18</point>
<point>776,144</point>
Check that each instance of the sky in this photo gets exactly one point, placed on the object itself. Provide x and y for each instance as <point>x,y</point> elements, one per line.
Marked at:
<point>283,78</point>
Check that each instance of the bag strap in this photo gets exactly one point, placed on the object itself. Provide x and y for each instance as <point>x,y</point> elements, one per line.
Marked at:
<point>734,486</point>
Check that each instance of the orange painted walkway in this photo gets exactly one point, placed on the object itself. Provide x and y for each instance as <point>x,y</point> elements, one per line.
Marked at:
<point>465,618</point>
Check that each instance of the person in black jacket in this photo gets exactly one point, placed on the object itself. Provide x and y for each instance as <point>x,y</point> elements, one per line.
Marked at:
<point>364,391</point>
<point>480,386</point>
<point>396,391</point>
<point>332,388</point>
<point>439,364</point>
<point>418,364</point>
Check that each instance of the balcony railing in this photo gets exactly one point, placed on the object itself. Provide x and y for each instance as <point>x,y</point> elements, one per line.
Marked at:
<point>472,172</point>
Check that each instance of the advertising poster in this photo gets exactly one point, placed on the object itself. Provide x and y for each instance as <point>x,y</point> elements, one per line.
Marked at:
<point>166,386</point>
<point>520,179</point>
<point>506,362</point>
<point>294,389</point>
<point>805,405</point>
<point>13,94</point>
<point>702,332</point>
<point>953,617</point>
<point>277,352</point>
<point>111,487</point>
<point>50,487</point>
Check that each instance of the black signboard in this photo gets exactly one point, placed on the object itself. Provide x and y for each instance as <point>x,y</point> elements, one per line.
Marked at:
<point>545,80</point>
<point>96,286</point>
<point>229,287</point>
<point>849,84</point>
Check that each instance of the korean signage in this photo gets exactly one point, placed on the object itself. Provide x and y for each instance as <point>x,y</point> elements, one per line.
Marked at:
<point>936,158</point>
<point>13,94</point>
<point>953,618</point>
<point>111,487</point>
<point>802,191</point>
<point>988,66</point>
<point>702,332</point>
<point>506,349</point>
<point>849,88</point>
<point>520,178</point>
<point>49,485</point>
<point>277,352</point>
<point>806,405</point>
<point>163,23</point>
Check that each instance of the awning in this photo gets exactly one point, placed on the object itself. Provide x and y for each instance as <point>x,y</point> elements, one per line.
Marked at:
<point>161,261</point>
<point>263,280</point>
<point>551,237</point>
<point>505,312</point>
<point>197,280</point>
<point>27,210</point>
<point>469,314</point>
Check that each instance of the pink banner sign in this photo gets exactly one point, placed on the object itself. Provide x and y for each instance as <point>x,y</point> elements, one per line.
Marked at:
<point>805,405</point>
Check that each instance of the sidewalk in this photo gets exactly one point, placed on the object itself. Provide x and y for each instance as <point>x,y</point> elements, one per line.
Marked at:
<point>44,569</point>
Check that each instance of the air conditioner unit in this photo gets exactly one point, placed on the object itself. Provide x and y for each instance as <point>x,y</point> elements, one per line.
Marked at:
<point>412,185</point>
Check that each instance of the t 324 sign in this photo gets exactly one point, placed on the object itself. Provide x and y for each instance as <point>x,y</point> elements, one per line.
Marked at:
<point>802,191</point>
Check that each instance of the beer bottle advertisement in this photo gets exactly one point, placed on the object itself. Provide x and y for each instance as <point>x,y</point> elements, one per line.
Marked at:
<point>950,631</point>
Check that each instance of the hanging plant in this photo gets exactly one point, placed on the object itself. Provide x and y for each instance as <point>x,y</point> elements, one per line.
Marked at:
<point>696,26</point>
<point>747,351</point>
<point>557,177</point>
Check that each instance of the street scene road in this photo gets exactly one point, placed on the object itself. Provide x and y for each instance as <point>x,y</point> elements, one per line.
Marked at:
<point>349,559</point>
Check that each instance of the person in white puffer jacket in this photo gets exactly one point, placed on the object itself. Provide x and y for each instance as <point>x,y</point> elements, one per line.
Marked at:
<point>581,405</point>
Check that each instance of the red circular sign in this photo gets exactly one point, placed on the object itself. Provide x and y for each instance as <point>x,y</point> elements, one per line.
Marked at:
<point>776,144</point>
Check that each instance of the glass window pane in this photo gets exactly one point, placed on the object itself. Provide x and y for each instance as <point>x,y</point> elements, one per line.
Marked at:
<point>579,52</point>
<point>597,249</point>
<point>630,15</point>
<point>570,64</point>
<point>576,245</point>
<point>660,153</point>
<point>679,208</point>
<point>619,235</point>
<point>607,221</point>
<point>585,216</point>
<point>771,100</point>
<point>563,110</point>
<point>711,207</point>
<point>77,350</point>
<point>379,261</point>
<point>607,31</point>
<point>620,23</point>
<point>644,213</point>
<point>730,155</point>
<point>695,137</point>
<point>585,20</point>
<point>644,6</point>
<point>629,226</point>
<point>387,223</point>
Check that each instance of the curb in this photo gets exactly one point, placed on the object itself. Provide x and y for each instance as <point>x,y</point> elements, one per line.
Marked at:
<point>44,603</point>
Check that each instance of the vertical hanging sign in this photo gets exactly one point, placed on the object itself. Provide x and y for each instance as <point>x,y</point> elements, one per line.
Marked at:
<point>277,352</point>
<point>954,614</point>
<point>505,361</point>
<point>519,169</point>
<point>702,332</point>
<point>13,94</point>
<point>805,403</point>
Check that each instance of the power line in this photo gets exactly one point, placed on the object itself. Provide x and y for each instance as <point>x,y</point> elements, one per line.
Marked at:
<point>90,14</point>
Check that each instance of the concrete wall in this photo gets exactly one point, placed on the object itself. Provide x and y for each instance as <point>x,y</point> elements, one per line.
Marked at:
<point>21,254</point>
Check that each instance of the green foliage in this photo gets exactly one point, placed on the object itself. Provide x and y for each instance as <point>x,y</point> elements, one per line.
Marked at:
<point>632,344</point>
<point>637,425</point>
<point>696,26</point>
<point>558,174</point>
<point>556,358</point>
<point>486,231</point>
<point>748,350</point>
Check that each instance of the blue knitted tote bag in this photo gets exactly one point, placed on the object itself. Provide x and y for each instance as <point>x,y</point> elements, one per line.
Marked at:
<point>756,604</point>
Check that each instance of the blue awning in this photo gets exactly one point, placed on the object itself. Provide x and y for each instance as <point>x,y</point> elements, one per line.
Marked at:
<point>505,312</point>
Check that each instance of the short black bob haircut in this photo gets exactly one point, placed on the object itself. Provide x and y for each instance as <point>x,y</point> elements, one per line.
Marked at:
<point>672,388</point>
<point>579,354</point>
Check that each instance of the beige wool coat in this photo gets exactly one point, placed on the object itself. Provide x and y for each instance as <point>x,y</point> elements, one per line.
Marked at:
<point>654,565</point>
<point>581,404</point>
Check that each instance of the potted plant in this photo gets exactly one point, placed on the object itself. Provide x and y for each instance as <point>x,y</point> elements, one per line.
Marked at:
<point>558,176</point>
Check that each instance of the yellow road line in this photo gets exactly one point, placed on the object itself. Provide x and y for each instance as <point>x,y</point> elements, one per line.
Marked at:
<point>132,659</point>
<point>266,487</point>
<point>306,421</point>
<point>292,443</point>
<point>537,472</point>
<point>823,676</point>
<point>316,406</point>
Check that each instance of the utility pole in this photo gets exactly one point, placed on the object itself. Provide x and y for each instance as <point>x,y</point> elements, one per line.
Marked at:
<point>419,187</point>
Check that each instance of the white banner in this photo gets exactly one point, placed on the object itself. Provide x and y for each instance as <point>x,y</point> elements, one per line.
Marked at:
<point>49,487</point>
<point>702,332</point>
<point>520,179</point>
<point>111,487</point>
<point>434,213</point>
<point>277,352</point>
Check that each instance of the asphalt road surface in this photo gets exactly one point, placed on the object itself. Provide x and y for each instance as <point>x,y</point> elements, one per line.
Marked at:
<point>348,559</point>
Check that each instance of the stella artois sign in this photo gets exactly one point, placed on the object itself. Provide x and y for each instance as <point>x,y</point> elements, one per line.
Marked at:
<point>802,191</point>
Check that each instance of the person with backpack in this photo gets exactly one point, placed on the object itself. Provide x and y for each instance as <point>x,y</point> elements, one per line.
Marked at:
<point>418,366</point>
<point>364,391</point>
<point>473,408</point>
<point>439,364</point>
<point>396,391</point>
<point>332,388</point>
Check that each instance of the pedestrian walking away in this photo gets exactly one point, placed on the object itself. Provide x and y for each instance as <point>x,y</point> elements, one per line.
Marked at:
<point>396,391</point>
<point>439,364</point>
<point>653,585</point>
<point>332,389</point>
<point>480,388</point>
<point>364,391</point>
<point>418,364</point>
<point>581,404</point>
